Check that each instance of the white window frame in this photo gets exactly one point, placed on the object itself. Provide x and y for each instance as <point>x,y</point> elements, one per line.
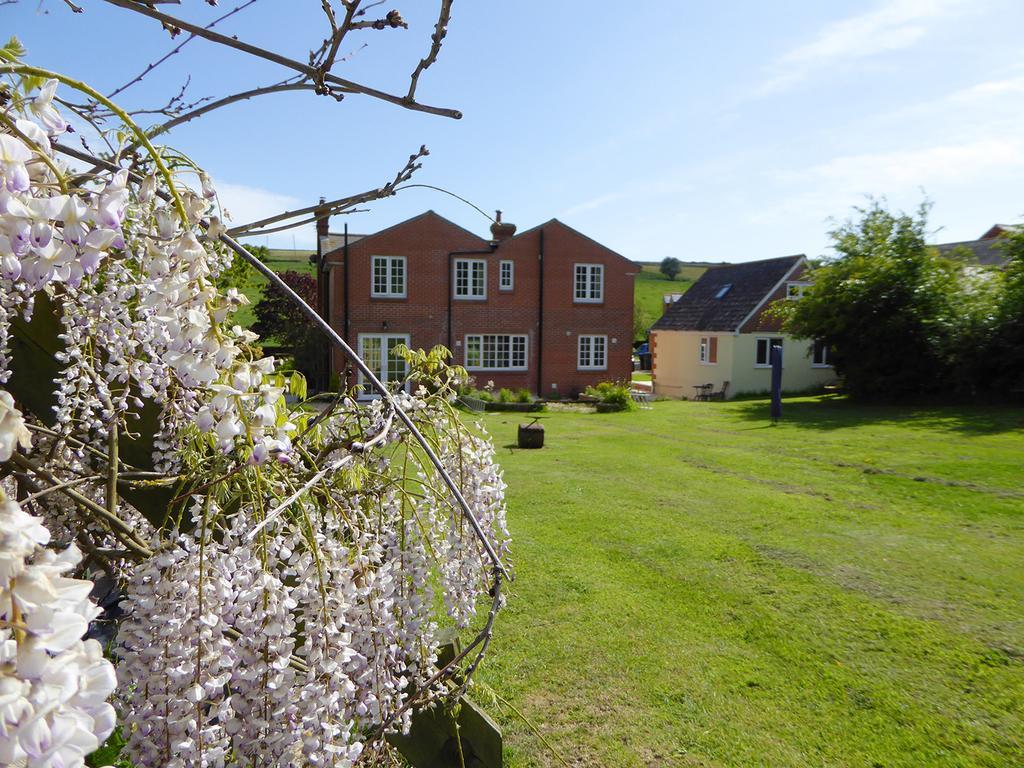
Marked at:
<point>381,371</point>
<point>795,290</point>
<point>470,295</point>
<point>814,361</point>
<point>480,339</point>
<point>510,266</point>
<point>389,272</point>
<point>704,354</point>
<point>768,350</point>
<point>588,296</point>
<point>590,338</point>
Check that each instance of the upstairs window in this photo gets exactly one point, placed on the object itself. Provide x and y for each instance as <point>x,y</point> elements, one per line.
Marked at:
<point>388,279</point>
<point>588,286</point>
<point>796,291</point>
<point>592,353</point>
<point>819,357</point>
<point>506,275</point>
<point>723,290</point>
<point>763,357</point>
<point>495,352</point>
<point>709,350</point>
<point>470,279</point>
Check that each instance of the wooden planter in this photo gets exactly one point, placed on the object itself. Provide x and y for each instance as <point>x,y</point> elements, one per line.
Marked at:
<point>531,435</point>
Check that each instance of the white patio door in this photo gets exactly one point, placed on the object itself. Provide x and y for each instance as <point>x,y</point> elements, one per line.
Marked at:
<point>377,351</point>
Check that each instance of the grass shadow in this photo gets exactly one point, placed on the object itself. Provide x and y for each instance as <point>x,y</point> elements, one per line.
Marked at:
<point>831,412</point>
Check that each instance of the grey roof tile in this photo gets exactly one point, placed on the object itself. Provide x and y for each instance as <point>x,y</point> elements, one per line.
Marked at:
<point>700,310</point>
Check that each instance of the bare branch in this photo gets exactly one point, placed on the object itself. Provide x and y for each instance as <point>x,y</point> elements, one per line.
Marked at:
<point>310,71</point>
<point>150,67</point>
<point>223,102</point>
<point>339,205</point>
<point>440,30</point>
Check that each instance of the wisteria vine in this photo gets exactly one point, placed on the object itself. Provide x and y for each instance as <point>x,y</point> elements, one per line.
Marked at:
<point>283,580</point>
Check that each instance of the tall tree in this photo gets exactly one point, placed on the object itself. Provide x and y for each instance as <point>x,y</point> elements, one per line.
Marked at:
<point>670,267</point>
<point>887,305</point>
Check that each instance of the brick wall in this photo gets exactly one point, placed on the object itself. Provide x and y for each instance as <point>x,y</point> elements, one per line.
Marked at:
<point>427,242</point>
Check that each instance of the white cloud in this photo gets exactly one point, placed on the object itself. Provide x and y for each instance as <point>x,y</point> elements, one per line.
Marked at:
<point>918,167</point>
<point>588,205</point>
<point>990,89</point>
<point>246,204</point>
<point>893,25</point>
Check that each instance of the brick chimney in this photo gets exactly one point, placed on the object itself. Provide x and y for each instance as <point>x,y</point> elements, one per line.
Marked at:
<point>501,230</point>
<point>323,220</point>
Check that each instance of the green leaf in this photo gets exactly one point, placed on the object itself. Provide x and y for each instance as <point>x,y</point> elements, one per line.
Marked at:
<point>12,51</point>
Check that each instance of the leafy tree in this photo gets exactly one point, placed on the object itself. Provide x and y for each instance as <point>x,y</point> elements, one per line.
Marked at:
<point>241,273</point>
<point>670,267</point>
<point>278,318</point>
<point>642,321</point>
<point>892,310</point>
<point>1005,352</point>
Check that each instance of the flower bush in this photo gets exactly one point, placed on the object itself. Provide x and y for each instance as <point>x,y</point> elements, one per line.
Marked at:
<point>283,574</point>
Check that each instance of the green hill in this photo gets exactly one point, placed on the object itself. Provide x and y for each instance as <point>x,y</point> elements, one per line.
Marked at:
<point>651,286</point>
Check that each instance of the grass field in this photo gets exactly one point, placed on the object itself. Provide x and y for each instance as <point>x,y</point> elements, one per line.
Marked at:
<point>650,287</point>
<point>697,588</point>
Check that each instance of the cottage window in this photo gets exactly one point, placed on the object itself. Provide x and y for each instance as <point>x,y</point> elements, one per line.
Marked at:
<point>592,353</point>
<point>588,286</point>
<point>378,352</point>
<point>763,357</point>
<point>495,352</point>
<point>470,279</point>
<point>388,277</point>
<point>819,357</point>
<point>506,275</point>
<point>709,350</point>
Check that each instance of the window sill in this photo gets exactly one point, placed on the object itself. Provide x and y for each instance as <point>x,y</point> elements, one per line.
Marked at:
<point>705,362</point>
<point>602,368</point>
<point>821,365</point>
<point>469,298</point>
<point>497,370</point>
<point>588,301</point>
<point>389,296</point>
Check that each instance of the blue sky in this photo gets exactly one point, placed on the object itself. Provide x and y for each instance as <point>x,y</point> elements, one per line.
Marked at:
<point>706,131</point>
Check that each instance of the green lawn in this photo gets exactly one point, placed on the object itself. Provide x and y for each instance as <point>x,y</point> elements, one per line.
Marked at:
<point>697,588</point>
<point>650,287</point>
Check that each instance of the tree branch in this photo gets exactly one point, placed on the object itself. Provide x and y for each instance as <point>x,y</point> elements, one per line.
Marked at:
<point>316,75</point>
<point>337,206</point>
<point>150,67</point>
<point>440,30</point>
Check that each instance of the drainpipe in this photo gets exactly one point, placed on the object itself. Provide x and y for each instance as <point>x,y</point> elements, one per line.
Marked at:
<point>323,293</point>
<point>540,317</point>
<point>345,316</point>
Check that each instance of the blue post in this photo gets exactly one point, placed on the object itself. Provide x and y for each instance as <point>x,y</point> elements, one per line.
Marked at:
<point>776,361</point>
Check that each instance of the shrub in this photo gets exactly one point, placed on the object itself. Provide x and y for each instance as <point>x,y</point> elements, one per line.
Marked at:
<point>612,393</point>
<point>523,395</point>
<point>506,395</point>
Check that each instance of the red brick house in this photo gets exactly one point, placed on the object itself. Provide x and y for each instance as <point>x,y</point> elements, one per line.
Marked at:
<point>549,309</point>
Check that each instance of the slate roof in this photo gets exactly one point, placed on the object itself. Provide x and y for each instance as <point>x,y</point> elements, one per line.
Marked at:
<point>987,252</point>
<point>751,282</point>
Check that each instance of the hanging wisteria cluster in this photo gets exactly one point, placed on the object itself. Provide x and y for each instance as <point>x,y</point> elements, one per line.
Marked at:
<point>283,579</point>
<point>53,685</point>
